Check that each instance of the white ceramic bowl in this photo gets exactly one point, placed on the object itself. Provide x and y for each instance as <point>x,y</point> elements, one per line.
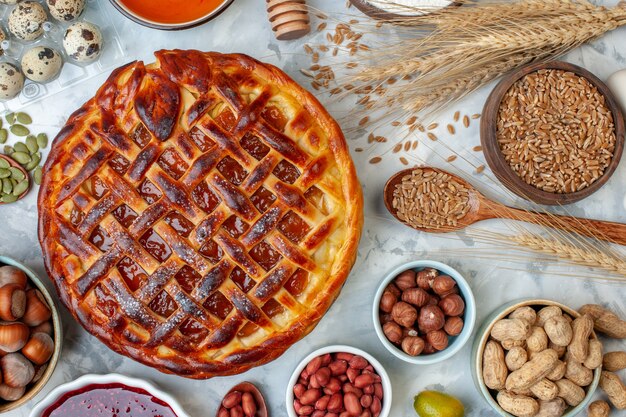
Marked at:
<point>456,342</point>
<point>386,382</point>
<point>91,379</point>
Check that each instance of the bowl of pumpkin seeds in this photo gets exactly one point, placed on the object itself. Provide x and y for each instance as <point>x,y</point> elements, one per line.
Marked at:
<point>20,162</point>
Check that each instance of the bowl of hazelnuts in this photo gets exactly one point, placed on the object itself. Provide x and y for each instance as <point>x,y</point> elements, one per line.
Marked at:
<point>424,312</point>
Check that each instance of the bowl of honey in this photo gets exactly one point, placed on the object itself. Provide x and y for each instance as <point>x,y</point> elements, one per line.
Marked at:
<point>171,14</point>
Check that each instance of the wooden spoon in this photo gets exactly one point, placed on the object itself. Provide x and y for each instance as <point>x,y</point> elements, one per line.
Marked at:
<point>256,393</point>
<point>14,163</point>
<point>481,208</point>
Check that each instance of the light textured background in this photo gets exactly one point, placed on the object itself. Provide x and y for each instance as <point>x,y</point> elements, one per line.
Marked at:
<point>385,243</point>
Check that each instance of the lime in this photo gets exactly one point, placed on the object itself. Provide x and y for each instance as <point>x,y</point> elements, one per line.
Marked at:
<point>437,404</point>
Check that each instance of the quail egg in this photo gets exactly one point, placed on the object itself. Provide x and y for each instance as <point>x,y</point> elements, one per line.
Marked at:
<point>27,19</point>
<point>66,10</point>
<point>11,81</point>
<point>41,64</point>
<point>83,42</point>
<point>3,37</point>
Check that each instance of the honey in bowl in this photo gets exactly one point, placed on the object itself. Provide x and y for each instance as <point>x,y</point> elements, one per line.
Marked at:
<point>171,12</point>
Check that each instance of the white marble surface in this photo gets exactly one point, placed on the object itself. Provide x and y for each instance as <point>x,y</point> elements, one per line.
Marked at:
<point>385,243</point>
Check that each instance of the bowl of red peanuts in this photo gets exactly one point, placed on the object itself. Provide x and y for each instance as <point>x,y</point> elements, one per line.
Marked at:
<point>339,381</point>
<point>424,312</point>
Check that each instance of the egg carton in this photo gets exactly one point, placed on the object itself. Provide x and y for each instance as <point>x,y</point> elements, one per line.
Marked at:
<point>73,72</point>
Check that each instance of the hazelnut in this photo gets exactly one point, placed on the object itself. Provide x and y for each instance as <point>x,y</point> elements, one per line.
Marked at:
<point>13,336</point>
<point>385,318</point>
<point>387,301</point>
<point>12,302</point>
<point>404,314</point>
<point>442,284</point>
<point>37,310</point>
<point>11,394</point>
<point>433,300</point>
<point>453,326</point>
<point>452,305</point>
<point>431,318</point>
<point>416,296</point>
<point>39,348</point>
<point>425,278</point>
<point>428,348</point>
<point>393,289</point>
<point>454,290</point>
<point>413,345</point>
<point>438,339</point>
<point>405,280</point>
<point>12,275</point>
<point>393,332</point>
<point>409,332</point>
<point>17,370</point>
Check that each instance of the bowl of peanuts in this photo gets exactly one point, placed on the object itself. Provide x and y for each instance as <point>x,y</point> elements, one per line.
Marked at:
<point>339,380</point>
<point>537,357</point>
<point>424,312</point>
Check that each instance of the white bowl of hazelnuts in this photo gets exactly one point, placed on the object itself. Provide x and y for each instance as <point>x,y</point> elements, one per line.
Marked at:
<point>424,312</point>
<point>30,335</point>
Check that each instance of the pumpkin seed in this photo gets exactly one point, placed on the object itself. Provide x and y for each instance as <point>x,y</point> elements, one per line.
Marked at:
<point>36,158</point>
<point>31,144</point>
<point>21,147</point>
<point>10,118</point>
<point>5,173</point>
<point>4,164</point>
<point>17,174</point>
<point>4,134</point>
<point>0,122</point>
<point>20,188</point>
<point>19,130</point>
<point>8,150</point>
<point>42,140</point>
<point>24,118</point>
<point>13,181</point>
<point>8,198</point>
<point>7,186</point>
<point>21,157</point>
<point>37,175</point>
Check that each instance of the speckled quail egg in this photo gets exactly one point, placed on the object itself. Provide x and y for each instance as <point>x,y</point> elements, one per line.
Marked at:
<point>83,42</point>
<point>27,19</point>
<point>41,64</point>
<point>11,81</point>
<point>66,10</point>
<point>3,37</point>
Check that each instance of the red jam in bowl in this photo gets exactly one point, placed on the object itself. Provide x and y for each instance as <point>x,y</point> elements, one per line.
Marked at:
<point>109,400</point>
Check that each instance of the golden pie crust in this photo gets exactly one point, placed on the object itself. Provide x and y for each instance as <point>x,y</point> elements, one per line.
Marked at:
<point>200,214</point>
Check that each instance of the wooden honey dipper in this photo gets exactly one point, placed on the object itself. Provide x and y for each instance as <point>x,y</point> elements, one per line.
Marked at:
<point>289,18</point>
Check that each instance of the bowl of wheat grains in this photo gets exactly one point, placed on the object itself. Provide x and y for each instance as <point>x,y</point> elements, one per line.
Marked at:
<point>552,133</point>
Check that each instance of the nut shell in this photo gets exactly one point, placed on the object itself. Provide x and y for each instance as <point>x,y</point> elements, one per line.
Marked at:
<point>39,348</point>
<point>12,302</point>
<point>431,318</point>
<point>12,275</point>
<point>37,311</point>
<point>13,336</point>
<point>16,370</point>
<point>443,284</point>
<point>452,305</point>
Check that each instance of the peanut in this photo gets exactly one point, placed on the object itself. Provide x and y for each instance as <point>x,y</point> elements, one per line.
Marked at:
<point>516,358</point>
<point>576,372</point>
<point>552,408</point>
<point>594,355</point>
<point>545,390</point>
<point>538,340</point>
<point>525,313</point>
<point>558,349</point>
<point>514,329</point>
<point>570,392</point>
<point>547,312</point>
<point>614,388</point>
<point>605,321</point>
<point>559,330</point>
<point>494,366</point>
<point>558,372</point>
<point>509,344</point>
<point>581,328</point>
<point>614,361</point>
<point>599,409</point>
<point>518,405</point>
<point>532,371</point>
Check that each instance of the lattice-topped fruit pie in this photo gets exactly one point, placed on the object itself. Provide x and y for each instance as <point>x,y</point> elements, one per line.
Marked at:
<point>200,214</point>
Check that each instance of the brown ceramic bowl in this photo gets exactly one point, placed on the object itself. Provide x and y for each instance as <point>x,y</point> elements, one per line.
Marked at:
<point>377,13</point>
<point>503,170</point>
<point>34,389</point>
<point>137,18</point>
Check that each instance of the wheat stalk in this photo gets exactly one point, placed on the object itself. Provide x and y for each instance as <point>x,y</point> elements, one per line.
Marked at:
<point>470,46</point>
